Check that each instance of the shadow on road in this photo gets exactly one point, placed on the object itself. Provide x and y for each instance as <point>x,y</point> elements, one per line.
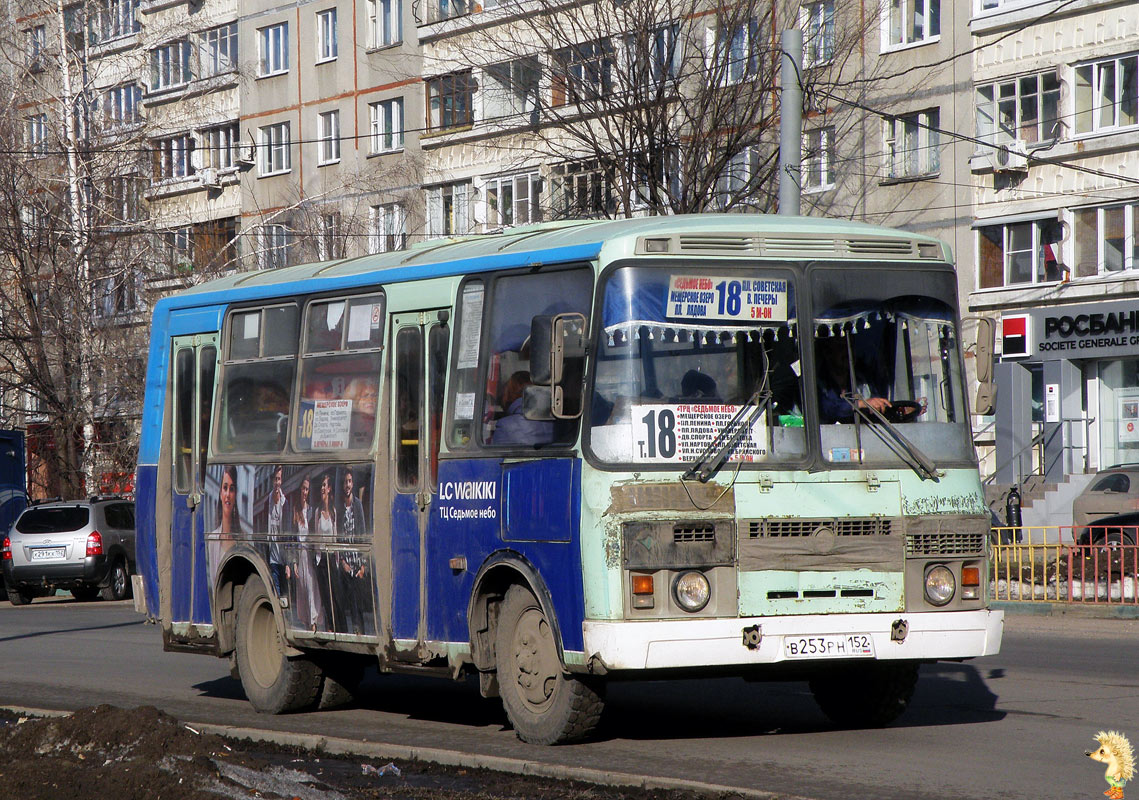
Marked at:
<point>81,628</point>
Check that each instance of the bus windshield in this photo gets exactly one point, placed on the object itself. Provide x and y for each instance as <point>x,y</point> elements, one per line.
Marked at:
<point>886,347</point>
<point>681,351</point>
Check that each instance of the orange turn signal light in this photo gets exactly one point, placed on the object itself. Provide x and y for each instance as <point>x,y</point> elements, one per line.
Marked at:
<point>642,584</point>
<point>970,576</point>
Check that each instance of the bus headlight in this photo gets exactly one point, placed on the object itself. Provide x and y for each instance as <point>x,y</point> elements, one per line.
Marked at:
<point>939,585</point>
<point>692,590</point>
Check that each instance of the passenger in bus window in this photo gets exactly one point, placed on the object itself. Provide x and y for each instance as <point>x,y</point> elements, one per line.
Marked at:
<point>228,524</point>
<point>695,385</point>
<point>833,356</point>
<point>515,428</point>
<point>365,396</point>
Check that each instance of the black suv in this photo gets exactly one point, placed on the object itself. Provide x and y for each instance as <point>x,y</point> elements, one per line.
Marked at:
<point>85,546</point>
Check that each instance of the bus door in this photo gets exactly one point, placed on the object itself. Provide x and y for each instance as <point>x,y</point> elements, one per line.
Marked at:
<point>194,367</point>
<point>420,342</point>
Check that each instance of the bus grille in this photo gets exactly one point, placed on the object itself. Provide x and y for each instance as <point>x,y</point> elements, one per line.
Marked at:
<point>945,544</point>
<point>694,532</point>
<point>843,526</point>
<point>808,246</point>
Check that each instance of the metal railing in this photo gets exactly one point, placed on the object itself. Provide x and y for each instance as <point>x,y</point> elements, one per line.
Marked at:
<point>1080,565</point>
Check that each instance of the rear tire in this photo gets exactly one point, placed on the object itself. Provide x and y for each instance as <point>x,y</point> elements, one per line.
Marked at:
<point>339,685</point>
<point>543,703</point>
<point>866,695</point>
<point>19,597</point>
<point>119,583</point>
<point>85,594</point>
<point>273,682</point>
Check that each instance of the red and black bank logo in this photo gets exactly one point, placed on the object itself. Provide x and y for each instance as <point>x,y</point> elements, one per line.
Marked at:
<point>1014,336</point>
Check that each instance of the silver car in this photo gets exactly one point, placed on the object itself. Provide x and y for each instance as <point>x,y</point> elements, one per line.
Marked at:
<point>85,546</point>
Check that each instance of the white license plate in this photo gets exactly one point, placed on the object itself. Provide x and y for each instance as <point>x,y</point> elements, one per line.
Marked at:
<point>831,645</point>
<point>45,553</point>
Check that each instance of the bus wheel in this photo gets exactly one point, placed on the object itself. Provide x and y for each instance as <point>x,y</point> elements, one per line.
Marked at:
<point>542,702</point>
<point>273,682</point>
<point>866,695</point>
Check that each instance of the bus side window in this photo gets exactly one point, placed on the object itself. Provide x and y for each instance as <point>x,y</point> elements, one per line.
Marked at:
<point>409,357</point>
<point>183,417</point>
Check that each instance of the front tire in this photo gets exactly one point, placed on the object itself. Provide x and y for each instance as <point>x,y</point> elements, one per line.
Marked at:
<point>19,597</point>
<point>273,682</point>
<point>866,695</point>
<point>119,583</point>
<point>543,703</point>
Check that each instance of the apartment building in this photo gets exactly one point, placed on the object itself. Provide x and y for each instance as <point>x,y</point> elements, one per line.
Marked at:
<point>1056,214</point>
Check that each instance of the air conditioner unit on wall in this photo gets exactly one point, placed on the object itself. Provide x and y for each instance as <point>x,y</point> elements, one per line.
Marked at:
<point>1011,156</point>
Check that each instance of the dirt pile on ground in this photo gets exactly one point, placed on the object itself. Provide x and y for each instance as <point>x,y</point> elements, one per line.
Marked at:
<point>145,754</point>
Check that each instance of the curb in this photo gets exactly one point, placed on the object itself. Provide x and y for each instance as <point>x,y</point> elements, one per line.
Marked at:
<point>1083,611</point>
<point>337,746</point>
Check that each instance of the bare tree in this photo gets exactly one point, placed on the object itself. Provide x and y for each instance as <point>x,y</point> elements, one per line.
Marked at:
<point>640,106</point>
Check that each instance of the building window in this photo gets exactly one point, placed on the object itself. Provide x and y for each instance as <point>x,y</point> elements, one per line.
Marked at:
<point>124,196</point>
<point>220,146</point>
<point>513,200</point>
<point>660,52</point>
<point>170,65</point>
<point>818,160</point>
<point>912,145</point>
<point>330,241</point>
<point>1104,240</point>
<point>449,101</point>
<point>1107,94</point>
<point>118,18</point>
<point>275,246</point>
<point>172,157</point>
<point>328,132</point>
<point>37,40</point>
<point>1019,253</point>
<point>907,22</point>
<point>121,104</point>
<point>273,47</point>
<point>583,72</point>
<point>511,88</point>
<point>326,47</point>
<point>1026,108</point>
<point>736,183</point>
<point>388,229</point>
<point>736,53</point>
<point>385,22</point>
<point>448,213</point>
<point>37,135</point>
<point>387,125</point>
<point>275,151</point>
<point>816,20</point>
<point>218,51</point>
<point>119,294</point>
<point>447,9</point>
<point>582,189</point>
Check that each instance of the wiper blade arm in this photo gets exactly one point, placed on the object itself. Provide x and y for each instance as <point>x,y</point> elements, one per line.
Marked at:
<point>716,453</point>
<point>905,449</point>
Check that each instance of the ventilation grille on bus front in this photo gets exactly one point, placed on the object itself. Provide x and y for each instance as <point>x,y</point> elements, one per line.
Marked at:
<point>693,532</point>
<point>945,544</point>
<point>807,247</point>
<point>846,526</point>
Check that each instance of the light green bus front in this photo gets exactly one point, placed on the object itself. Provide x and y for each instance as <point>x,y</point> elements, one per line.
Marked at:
<point>779,465</point>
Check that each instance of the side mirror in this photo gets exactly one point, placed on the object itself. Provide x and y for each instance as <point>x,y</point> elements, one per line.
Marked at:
<point>986,390</point>
<point>557,361</point>
<point>536,403</point>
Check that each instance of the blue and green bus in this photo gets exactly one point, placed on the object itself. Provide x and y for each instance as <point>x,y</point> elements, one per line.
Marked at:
<point>569,454</point>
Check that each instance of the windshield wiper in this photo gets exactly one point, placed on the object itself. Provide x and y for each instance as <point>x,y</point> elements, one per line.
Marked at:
<point>716,453</point>
<point>901,446</point>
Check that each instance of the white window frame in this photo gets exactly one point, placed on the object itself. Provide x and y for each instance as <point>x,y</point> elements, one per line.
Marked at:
<point>37,135</point>
<point>448,210</point>
<point>385,22</point>
<point>276,148</point>
<point>1129,258</point>
<point>122,104</point>
<point>1088,95</point>
<point>512,199</point>
<point>273,50</point>
<point>387,230</point>
<point>816,20</point>
<point>386,125</point>
<point>1011,94</point>
<point>1037,269</point>
<point>912,145</point>
<point>582,189</point>
<point>170,65</point>
<point>275,243</point>
<point>328,137</point>
<point>329,240</point>
<point>509,88</point>
<point>219,146</point>
<point>327,46</point>
<point>174,156</point>
<point>909,12</point>
<point>817,165</point>
<point>735,52</point>
<point>217,50</point>
<point>736,182</point>
<point>37,42</point>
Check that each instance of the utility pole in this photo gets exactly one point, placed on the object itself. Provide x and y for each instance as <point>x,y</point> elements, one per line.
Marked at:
<point>790,123</point>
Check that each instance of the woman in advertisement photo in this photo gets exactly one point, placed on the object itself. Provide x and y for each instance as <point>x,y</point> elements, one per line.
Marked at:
<point>324,526</point>
<point>221,538</point>
<point>307,597</point>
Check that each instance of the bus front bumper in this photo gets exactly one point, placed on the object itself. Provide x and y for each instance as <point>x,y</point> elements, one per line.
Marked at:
<point>635,645</point>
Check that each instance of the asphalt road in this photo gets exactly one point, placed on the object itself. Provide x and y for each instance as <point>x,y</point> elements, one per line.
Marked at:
<point>1014,725</point>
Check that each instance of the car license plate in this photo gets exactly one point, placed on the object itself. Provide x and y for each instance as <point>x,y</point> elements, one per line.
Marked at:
<point>831,645</point>
<point>45,553</point>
